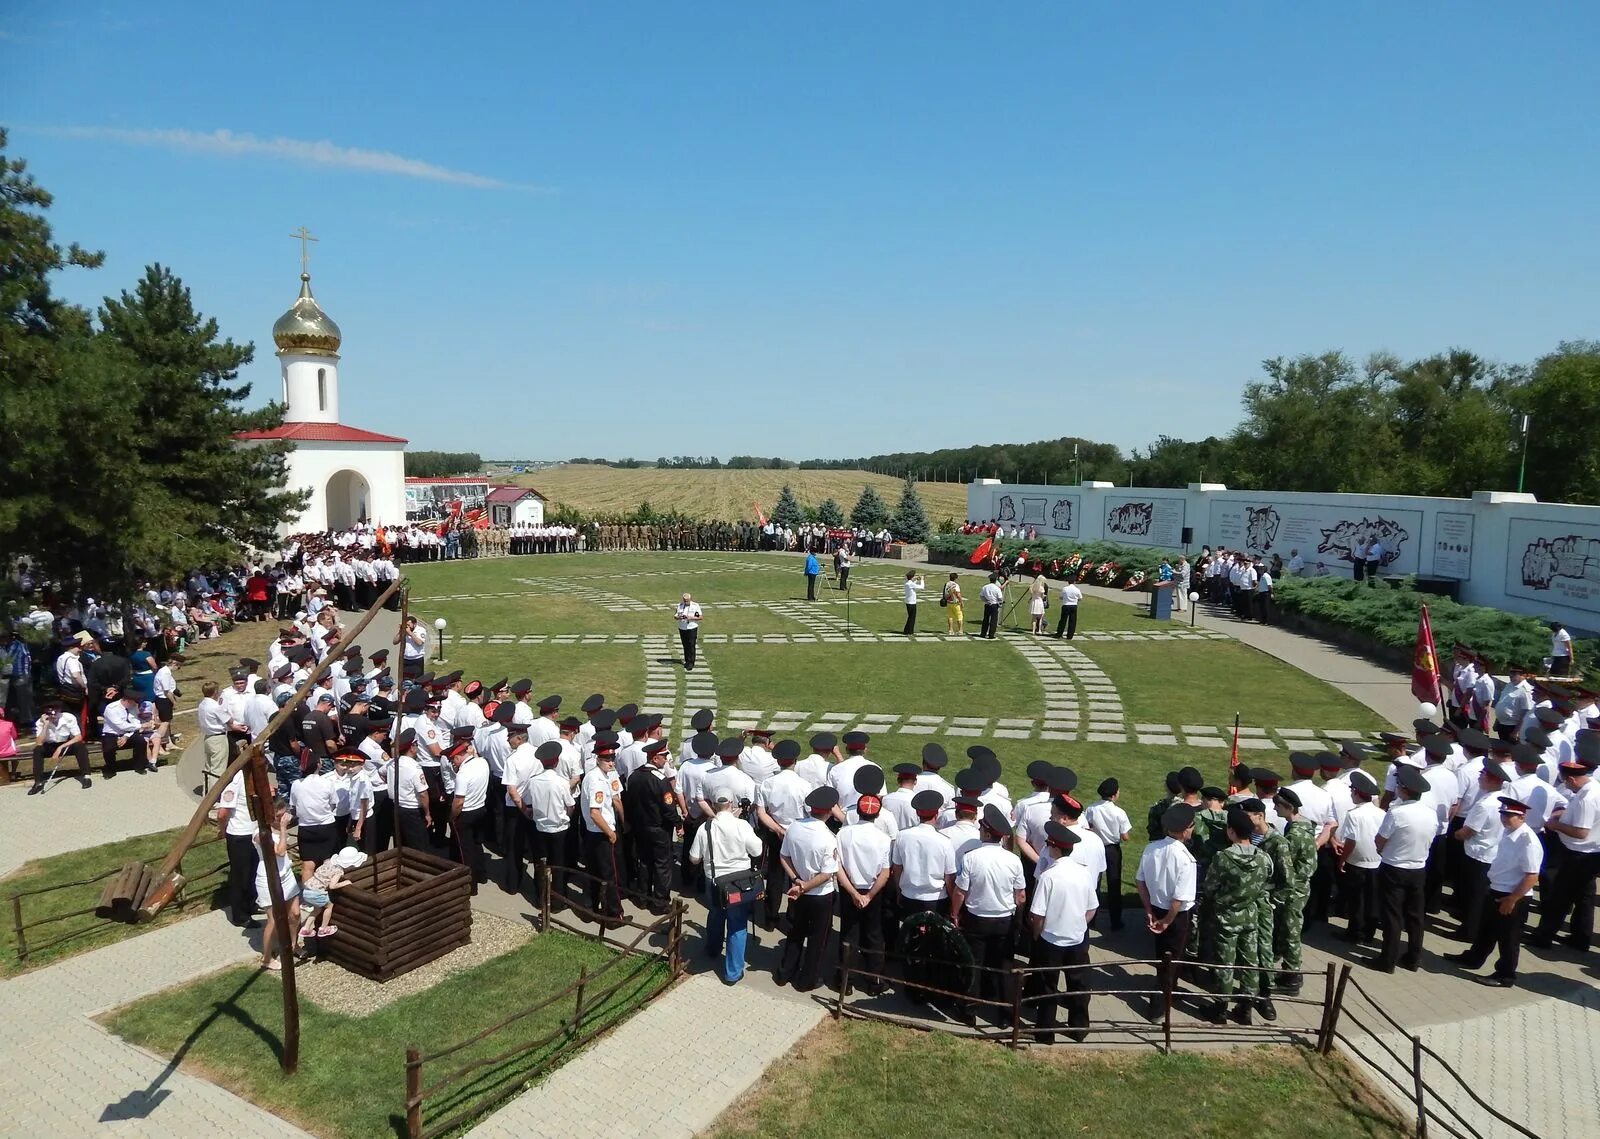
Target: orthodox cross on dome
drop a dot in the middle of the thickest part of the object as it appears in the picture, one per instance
(303, 235)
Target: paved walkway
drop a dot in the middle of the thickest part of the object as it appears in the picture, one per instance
(71, 1077)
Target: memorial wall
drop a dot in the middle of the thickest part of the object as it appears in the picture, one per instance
(1506, 550)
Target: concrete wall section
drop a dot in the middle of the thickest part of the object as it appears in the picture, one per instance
(1507, 551)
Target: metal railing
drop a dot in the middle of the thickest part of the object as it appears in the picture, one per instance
(575, 1029)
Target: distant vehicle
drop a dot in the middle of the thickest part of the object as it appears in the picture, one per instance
(518, 470)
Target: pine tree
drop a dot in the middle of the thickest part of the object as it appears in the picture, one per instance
(787, 513)
(829, 514)
(869, 512)
(909, 524)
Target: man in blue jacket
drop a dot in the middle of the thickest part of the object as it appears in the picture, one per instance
(813, 568)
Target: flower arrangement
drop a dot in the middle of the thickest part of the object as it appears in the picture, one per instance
(1135, 580)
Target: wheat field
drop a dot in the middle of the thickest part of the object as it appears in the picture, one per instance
(726, 495)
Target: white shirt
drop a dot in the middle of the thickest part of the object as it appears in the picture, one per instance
(1583, 810)
(990, 876)
(811, 849)
(117, 719)
(211, 717)
(237, 803)
(729, 780)
(784, 797)
(813, 769)
(1070, 595)
(547, 795)
(1408, 829)
(64, 729)
(1168, 872)
(963, 835)
(991, 594)
(688, 615)
(863, 854)
(1517, 855)
(925, 857)
(520, 766)
(600, 793)
(1064, 896)
(1514, 702)
(1561, 643)
(897, 804)
(757, 762)
(1108, 820)
(1358, 830)
(314, 800)
(472, 782)
(725, 845)
(910, 589)
(410, 786)
(165, 683)
(933, 781)
(691, 784)
(842, 778)
(1484, 822)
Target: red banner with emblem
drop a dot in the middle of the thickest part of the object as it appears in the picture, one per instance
(1425, 663)
(982, 551)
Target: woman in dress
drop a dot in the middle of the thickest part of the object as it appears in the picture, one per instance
(955, 620)
(1038, 591)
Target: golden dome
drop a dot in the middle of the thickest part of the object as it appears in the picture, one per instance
(305, 328)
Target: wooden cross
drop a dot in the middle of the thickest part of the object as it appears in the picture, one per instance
(304, 235)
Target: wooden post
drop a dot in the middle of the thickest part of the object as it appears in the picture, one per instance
(1016, 1007)
(1336, 1008)
(577, 1012)
(1416, 1083)
(1166, 1002)
(413, 1094)
(844, 979)
(1327, 1009)
(544, 894)
(675, 940)
(16, 920)
(260, 795)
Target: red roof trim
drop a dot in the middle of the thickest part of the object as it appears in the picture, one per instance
(319, 433)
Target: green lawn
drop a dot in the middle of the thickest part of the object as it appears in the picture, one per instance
(938, 679)
(1206, 682)
(86, 931)
(617, 671)
(857, 1078)
(351, 1080)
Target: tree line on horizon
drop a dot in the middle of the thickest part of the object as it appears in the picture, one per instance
(1444, 425)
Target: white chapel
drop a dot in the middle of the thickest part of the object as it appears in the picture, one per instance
(354, 476)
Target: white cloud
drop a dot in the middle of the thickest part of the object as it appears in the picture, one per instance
(307, 153)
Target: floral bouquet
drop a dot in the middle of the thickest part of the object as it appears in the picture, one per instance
(1135, 580)
(1106, 572)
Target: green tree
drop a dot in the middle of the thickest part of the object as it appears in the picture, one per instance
(910, 522)
(869, 512)
(1562, 399)
(787, 512)
(442, 464)
(829, 514)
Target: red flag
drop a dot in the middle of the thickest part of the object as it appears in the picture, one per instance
(982, 551)
(1425, 663)
(1233, 757)
(761, 519)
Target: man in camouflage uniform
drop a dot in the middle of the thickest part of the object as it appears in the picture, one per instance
(1236, 884)
(1209, 840)
(1271, 843)
(1299, 845)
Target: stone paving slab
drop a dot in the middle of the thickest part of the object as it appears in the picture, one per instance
(743, 1028)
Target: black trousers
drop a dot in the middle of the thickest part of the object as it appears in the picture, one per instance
(242, 859)
(413, 831)
(600, 857)
(548, 847)
(777, 880)
(494, 798)
(1474, 898)
(108, 753)
(861, 934)
(1443, 862)
(844, 577)
(1573, 892)
(810, 920)
(1066, 622)
(688, 638)
(652, 851)
(911, 620)
(1362, 908)
(319, 842)
(378, 831)
(990, 940)
(438, 807)
(1111, 892)
(811, 587)
(991, 621)
(466, 831)
(693, 876)
(1500, 930)
(1051, 959)
(1319, 904)
(1402, 895)
(515, 838)
(42, 754)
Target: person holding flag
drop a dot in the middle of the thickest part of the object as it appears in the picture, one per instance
(1425, 664)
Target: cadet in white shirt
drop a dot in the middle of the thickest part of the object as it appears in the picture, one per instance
(546, 801)
(780, 802)
(1110, 822)
(1512, 876)
(810, 856)
(864, 869)
(239, 831)
(1578, 828)
(691, 779)
(989, 888)
(924, 860)
(1403, 840)
(602, 814)
(756, 760)
(57, 735)
(1358, 856)
(315, 802)
(897, 803)
(1063, 905)
(740, 788)
(468, 816)
(1479, 836)
(1166, 879)
(688, 616)
(842, 776)
(1514, 702)
(933, 762)
(408, 789)
(814, 768)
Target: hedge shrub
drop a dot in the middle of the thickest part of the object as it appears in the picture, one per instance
(1389, 615)
(1133, 563)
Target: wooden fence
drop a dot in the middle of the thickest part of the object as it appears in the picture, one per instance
(580, 1000)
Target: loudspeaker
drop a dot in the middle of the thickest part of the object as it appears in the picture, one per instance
(1188, 535)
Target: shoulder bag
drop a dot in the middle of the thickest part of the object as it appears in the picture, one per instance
(737, 886)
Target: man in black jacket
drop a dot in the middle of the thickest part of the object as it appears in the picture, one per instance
(651, 809)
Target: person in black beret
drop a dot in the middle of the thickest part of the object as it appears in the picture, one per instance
(897, 804)
(1403, 841)
(1107, 819)
(1239, 779)
(1157, 809)
(816, 768)
(810, 855)
(1358, 859)
(1063, 905)
(933, 762)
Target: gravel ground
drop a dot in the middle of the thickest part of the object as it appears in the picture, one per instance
(343, 992)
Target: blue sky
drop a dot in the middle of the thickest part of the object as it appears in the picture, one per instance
(826, 229)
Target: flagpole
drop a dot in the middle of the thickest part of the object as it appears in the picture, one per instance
(1233, 757)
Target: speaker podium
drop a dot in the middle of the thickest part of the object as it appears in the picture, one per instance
(1161, 600)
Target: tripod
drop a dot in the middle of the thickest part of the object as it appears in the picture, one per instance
(1011, 607)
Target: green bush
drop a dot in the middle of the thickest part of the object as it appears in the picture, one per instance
(1389, 616)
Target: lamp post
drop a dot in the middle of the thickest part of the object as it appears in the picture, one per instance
(1194, 601)
(439, 627)
(1523, 469)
